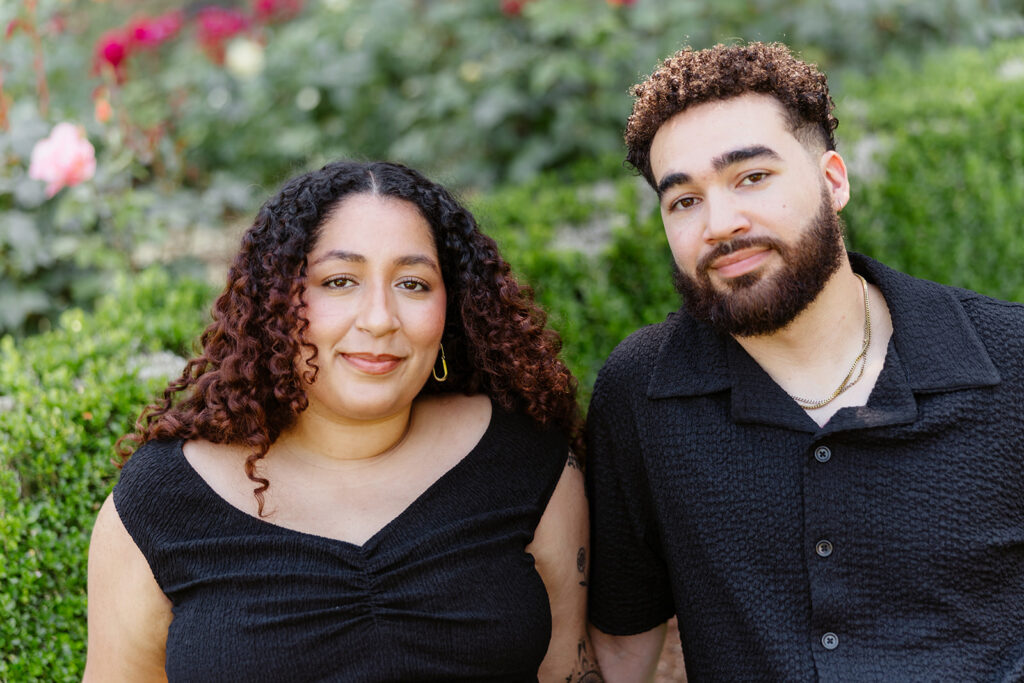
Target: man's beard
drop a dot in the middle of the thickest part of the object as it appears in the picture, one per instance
(755, 304)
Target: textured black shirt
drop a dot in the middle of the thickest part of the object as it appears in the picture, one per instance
(886, 545)
(444, 592)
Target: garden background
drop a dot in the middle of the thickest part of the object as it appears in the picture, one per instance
(114, 230)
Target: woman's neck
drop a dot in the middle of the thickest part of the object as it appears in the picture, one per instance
(329, 442)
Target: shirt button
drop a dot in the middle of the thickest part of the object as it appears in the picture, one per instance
(823, 548)
(830, 641)
(822, 453)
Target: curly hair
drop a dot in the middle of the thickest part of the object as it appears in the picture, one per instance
(244, 387)
(691, 77)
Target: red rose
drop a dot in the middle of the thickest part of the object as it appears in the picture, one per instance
(512, 8)
(150, 32)
(271, 11)
(112, 49)
(216, 26)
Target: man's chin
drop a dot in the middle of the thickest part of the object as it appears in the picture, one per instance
(740, 283)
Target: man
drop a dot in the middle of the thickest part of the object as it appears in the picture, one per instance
(816, 464)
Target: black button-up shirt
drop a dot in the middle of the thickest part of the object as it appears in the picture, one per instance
(886, 545)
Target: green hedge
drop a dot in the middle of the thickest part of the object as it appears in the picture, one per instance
(68, 395)
(942, 195)
(939, 197)
(595, 254)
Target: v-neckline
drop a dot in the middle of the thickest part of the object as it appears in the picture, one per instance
(266, 526)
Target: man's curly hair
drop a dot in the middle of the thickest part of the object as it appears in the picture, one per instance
(691, 77)
(244, 387)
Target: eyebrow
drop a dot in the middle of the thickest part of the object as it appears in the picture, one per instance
(353, 257)
(720, 163)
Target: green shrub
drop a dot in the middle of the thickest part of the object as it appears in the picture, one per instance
(67, 396)
(595, 255)
(938, 172)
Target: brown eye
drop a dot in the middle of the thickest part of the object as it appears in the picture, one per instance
(684, 203)
(414, 286)
(339, 282)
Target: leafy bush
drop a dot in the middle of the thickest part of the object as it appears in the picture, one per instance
(938, 151)
(595, 255)
(66, 397)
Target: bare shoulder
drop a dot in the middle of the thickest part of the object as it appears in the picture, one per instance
(222, 467)
(128, 613)
(201, 453)
(455, 407)
(454, 419)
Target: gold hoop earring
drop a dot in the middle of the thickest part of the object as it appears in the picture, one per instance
(444, 367)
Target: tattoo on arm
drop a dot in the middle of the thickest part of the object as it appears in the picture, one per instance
(581, 566)
(585, 670)
(573, 461)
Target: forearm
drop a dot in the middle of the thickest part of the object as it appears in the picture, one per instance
(628, 659)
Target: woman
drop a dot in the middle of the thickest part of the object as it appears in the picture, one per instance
(364, 476)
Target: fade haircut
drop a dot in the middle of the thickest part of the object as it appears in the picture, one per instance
(691, 77)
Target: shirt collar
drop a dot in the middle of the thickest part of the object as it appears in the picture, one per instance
(936, 342)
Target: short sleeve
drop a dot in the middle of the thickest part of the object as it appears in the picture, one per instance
(630, 590)
(152, 498)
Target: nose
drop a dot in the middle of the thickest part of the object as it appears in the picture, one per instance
(377, 315)
(725, 219)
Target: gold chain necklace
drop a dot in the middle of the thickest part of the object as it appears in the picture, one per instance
(861, 360)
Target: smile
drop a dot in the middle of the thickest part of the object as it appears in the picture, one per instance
(740, 262)
(372, 364)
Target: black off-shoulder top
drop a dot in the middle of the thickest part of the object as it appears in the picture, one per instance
(444, 592)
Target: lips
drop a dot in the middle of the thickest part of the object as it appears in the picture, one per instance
(740, 262)
(372, 364)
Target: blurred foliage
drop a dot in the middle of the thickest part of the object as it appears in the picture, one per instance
(595, 255)
(937, 155)
(473, 93)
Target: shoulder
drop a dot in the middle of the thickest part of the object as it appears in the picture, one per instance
(454, 410)
(1000, 327)
(451, 414)
(998, 323)
(628, 370)
(152, 454)
(992, 315)
(154, 462)
(925, 311)
(639, 351)
(159, 495)
(909, 290)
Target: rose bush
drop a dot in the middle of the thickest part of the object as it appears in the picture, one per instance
(474, 93)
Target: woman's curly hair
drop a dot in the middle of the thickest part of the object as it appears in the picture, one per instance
(244, 387)
(691, 77)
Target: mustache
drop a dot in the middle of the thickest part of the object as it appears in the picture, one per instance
(725, 248)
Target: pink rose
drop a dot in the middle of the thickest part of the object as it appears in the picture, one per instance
(64, 159)
(512, 8)
(112, 49)
(216, 26)
(149, 32)
(271, 11)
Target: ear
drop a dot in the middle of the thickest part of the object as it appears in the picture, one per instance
(833, 171)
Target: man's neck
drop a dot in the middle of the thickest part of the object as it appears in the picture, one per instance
(811, 356)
